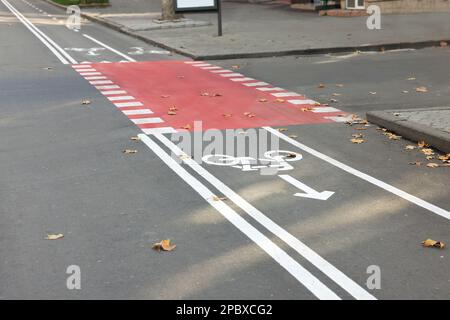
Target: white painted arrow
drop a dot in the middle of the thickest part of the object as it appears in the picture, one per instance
(309, 192)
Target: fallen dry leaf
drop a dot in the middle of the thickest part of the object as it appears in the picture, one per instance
(262, 100)
(405, 91)
(433, 243)
(165, 96)
(372, 92)
(173, 108)
(427, 152)
(306, 109)
(249, 114)
(337, 94)
(86, 102)
(164, 245)
(361, 128)
(282, 129)
(321, 85)
(129, 151)
(291, 155)
(411, 78)
(339, 85)
(187, 127)
(415, 163)
(235, 67)
(54, 236)
(204, 94)
(171, 113)
(227, 115)
(180, 77)
(357, 140)
(432, 165)
(135, 138)
(293, 136)
(391, 136)
(333, 100)
(444, 157)
(280, 100)
(410, 147)
(443, 44)
(357, 135)
(216, 198)
(429, 157)
(216, 95)
(422, 89)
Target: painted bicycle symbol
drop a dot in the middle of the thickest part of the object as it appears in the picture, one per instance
(277, 159)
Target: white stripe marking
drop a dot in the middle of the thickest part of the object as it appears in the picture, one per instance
(421, 203)
(95, 78)
(325, 109)
(302, 102)
(241, 79)
(139, 111)
(293, 267)
(285, 94)
(107, 87)
(227, 75)
(211, 68)
(91, 73)
(101, 82)
(221, 71)
(201, 65)
(161, 130)
(255, 84)
(147, 120)
(128, 104)
(119, 98)
(270, 89)
(111, 92)
(85, 70)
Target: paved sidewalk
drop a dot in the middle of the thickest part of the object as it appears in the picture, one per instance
(425, 124)
(273, 28)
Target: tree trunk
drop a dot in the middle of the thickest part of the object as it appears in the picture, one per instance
(168, 10)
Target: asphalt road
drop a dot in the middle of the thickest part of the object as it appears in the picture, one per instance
(63, 171)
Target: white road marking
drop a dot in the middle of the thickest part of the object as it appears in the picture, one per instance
(101, 82)
(139, 111)
(285, 94)
(107, 87)
(95, 78)
(111, 92)
(325, 109)
(119, 98)
(308, 191)
(221, 71)
(109, 48)
(54, 48)
(241, 79)
(413, 199)
(201, 65)
(227, 75)
(255, 84)
(328, 269)
(293, 267)
(90, 69)
(128, 104)
(81, 66)
(270, 89)
(161, 130)
(211, 68)
(147, 120)
(302, 101)
(90, 73)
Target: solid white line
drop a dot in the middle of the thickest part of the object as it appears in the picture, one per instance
(85, 69)
(192, 62)
(81, 66)
(50, 41)
(221, 71)
(90, 73)
(201, 65)
(101, 82)
(287, 262)
(47, 44)
(285, 94)
(332, 272)
(421, 203)
(108, 93)
(107, 87)
(109, 48)
(160, 130)
(128, 104)
(139, 111)
(211, 68)
(147, 120)
(95, 78)
(255, 84)
(325, 109)
(302, 101)
(120, 98)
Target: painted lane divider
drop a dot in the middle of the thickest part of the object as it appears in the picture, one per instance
(308, 192)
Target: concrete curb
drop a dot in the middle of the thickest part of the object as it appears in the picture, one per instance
(281, 53)
(411, 130)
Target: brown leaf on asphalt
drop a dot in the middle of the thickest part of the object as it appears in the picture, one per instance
(372, 92)
(235, 67)
(411, 78)
(291, 155)
(443, 44)
(427, 152)
(216, 198)
(337, 94)
(415, 163)
(392, 136)
(432, 165)
(129, 151)
(48, 68)
(54, 236)
(444, 157)
(249, 114)
(405, 91)
(280, 100)
(361, 128)
(187, 127)
(180, 77)
(422, 89)
(422, 144)
(165, 96)
(306, 109)
(204, 94)
(293, 136)
(227, 115)
(164, 245)
(262, 100)
(357, 140)
(410, 147)
(433, 243)
(429, 157)
(86, 102)
(171, 113)
(357, 135)
(333, 100)
(339, 85)
(135, 138)
(282, 129)
(216, 95)
(321, 85)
